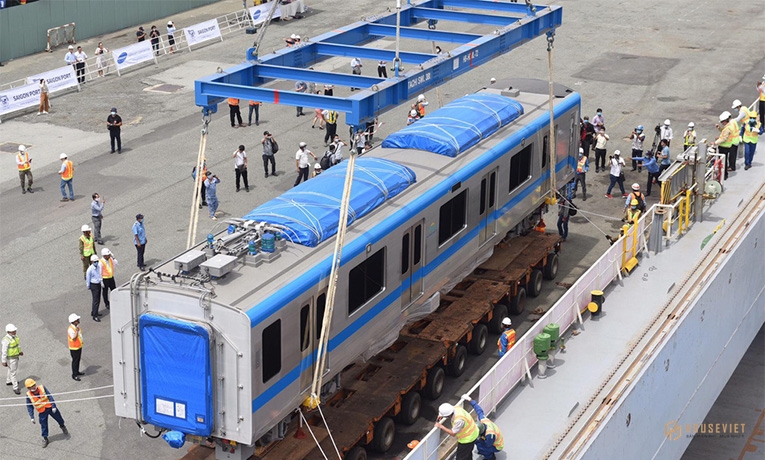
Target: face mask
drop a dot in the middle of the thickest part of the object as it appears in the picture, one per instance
(587, 122)
(114, 113)
(600, 114)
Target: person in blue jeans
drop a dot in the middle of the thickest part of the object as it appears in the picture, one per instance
(616, 173)
(490, 439)
(650, 164)
(211, 186)
(39, 399)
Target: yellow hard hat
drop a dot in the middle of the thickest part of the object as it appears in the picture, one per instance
(29, 383)
(634, 202)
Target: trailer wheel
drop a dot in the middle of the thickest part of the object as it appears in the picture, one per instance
(356, 453)
(385, 432)
(477, 344)
(519, 302)
(410, 408)
(434, 384)
(500, 312)
(534, 288)
(457, 364)
(551, 268)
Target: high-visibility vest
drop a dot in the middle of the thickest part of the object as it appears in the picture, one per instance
(420, 109)
(107, 268)
(13, 346)
(510, 334)
(470, 432)
(492, 429)
(233, 101)
(726, 135)
(254, 103)
(87, 246)
(40, 399)
(762, 91)
(580, 165)
(749, 114)
(736, 130)
(690, 137)
(332, 116)
(633, 216)
(76, 343)
(25, 163)
(751, 134)
(68, 170)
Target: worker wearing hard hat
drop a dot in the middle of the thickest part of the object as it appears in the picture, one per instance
(87, 247)
(490, 439)
(724, 142)
(39, 399)
(67, 175)
(507, 338)
(24, 165)
(93, 281)
(665, 132)
(636, 194)
(412, 117)
(752, 130)
(74, 340)
(11, 353)
(744, 114)
(464, 428)
(633, 212)
(420, 105)
(689, 137)
(107, 262)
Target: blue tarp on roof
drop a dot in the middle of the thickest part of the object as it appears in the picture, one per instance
(310, 212)
(458, 125)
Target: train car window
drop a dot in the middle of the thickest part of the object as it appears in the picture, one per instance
(321, 304)
(405, 253)
(545, 151)
(520, 167)
(366, 280)
(482, 205)
(492, 188)
(305, 333)
(417, 245)
(451, 217)
(272, 350)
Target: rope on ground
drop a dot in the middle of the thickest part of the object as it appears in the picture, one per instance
(305, 422)
(582, 213)
(61, 401)
(331, 438)
(63, 392)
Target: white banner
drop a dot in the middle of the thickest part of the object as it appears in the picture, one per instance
(18, 98)
(201, 32)
(260, 13)
(61, 78)
(132, 54)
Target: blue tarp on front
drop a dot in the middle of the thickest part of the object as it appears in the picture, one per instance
(310, 212)
(458, 125)
(176, 375)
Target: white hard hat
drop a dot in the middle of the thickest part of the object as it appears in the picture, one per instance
(617, 152)
(691, 125)
(293, 36)
(317, 166)
(169, 23)
(736, 103)
(635, 186)
(10, 327)
(71, 47)
(493, 80)
(302, 144)
(724, 116)
(106, 252)
(73, 317)
(85, 228)
(507, 322)
(581, 150)
(413, 113)
(445, 410)
(94, 258)
(666, 122)
(22, 148)
(62, 156)
(421, 97)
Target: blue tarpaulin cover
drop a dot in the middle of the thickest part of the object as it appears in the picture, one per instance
(458, 125)
(310, 212)
(174, 439)
(176, 374)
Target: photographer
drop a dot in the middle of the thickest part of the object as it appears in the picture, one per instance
(617, 176)
(240, 167)
(601, 140)
(637, 137)
(270, 147)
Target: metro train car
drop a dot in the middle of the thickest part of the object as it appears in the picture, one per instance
(221, 341)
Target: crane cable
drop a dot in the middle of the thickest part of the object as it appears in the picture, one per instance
(262, 34)
(551, 148)
(194, 214)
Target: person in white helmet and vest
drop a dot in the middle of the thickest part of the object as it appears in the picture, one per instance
(463, 427)
(507, 338)
(86, 247)
(689, 137)
(11, 353)
(490, 439)
(39, 399)
(74, 340)
(107, 262)
(24, 165)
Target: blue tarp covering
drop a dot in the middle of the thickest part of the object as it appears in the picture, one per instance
(310, 212)
(176, 375)
(458, 125)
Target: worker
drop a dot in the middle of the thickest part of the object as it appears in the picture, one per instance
(665, 132)
(507, 338)
(413, 116)
(490, 440)
(234, 113)
(751, 135)
(761, 91)
(419, 106)
(464, 428)
(637, 137)
(87, 247)
(40, 399)
(725, 141)
(67, 176)
(93, 282)
(689, 137)
(107, 263)
(582, 166)
(633, 212)
(74, 339)
(744, 114)
(24, 165)
(330, 117)
(635, 195)
(11, 353)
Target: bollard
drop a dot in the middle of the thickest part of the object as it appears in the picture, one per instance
(553, 330)
(596, 303)
(541, 349)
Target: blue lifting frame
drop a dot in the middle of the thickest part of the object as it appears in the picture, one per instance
(516, 23)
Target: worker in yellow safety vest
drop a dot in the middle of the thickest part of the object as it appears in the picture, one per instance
(744, 114)
(74, 339)
(24, 165)
(464, 428)
(724, 142)
(689, 138)
(490, 440)
(87, 247)
(11, 353)
(39, 399)
(507, 338)
(633, 212)
(751, 135)
(107, 274)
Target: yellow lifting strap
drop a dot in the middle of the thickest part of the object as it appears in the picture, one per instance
(194, 214)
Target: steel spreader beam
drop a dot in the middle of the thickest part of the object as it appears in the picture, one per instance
(515, 24)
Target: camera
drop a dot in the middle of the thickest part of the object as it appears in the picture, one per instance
(657, 129)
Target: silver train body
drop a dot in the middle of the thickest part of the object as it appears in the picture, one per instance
(233, 357)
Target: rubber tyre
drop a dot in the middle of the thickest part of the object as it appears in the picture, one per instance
(500, 313)
(411, 404)
(534, 288)
(518, 303)
(457, 364)
(480, 338)
(384, 435)
(434, 385)
(356, 453)
(551, 268)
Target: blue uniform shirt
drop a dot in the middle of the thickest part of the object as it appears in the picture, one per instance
(93, 275)
(140, 232)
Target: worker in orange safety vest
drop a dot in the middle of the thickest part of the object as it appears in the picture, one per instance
(74, 339)
(507, 338)
(24, 165)
(40, 399)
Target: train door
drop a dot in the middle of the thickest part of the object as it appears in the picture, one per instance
(486, 206)
(311, 320)
(411, 263)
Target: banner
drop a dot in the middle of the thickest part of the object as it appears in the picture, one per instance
(132, 54)
(20, 97)
(58, 79)
(260, 13)
(201, 32)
